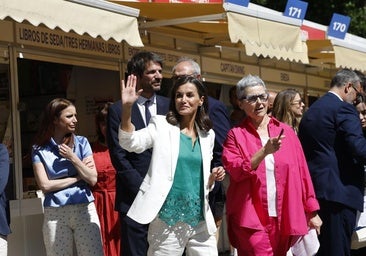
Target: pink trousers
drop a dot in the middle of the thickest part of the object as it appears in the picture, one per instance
(267, 242)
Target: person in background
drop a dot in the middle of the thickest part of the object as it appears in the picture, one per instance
(360, 104)
(271, 97)
(173, 197)
(221, 124)
(362, 77)
(4, 203)
(288, 108)
(270, 199)
(131, 168)
(335, 149)
(64, 170)
(104, 190)
(237, 115)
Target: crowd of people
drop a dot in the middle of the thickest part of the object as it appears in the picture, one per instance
(152, 182)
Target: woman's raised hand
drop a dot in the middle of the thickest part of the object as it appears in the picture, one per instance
(128, 91)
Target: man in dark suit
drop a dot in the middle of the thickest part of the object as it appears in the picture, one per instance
(335, 149)
(221, 124)
(4, 203)
(131, 167)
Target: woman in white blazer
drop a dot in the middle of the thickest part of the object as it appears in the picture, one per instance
(173, 197)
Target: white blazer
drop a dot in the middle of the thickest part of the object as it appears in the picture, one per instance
(164, 138)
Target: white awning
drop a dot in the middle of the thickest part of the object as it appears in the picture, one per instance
(349, 56)
(337, 53)
(70, 16)
(267, 37)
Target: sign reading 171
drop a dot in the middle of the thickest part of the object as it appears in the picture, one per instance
(338, 26)
(296, 9)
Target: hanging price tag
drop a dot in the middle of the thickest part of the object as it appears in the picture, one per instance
(296, 9)
(338, 26)
(244, 3)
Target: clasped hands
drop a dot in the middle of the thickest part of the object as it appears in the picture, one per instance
(217, 174)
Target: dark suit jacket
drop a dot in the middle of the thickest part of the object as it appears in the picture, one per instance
(4, 203)
(335, 148)
(131, 167)
(221, 125)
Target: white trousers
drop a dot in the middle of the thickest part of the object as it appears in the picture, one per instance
(66, 225)
(3, 245)
(171, 241)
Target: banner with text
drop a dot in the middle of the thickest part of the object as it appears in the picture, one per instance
(59, 40)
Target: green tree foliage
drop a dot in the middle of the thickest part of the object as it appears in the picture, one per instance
(322, 11)
(358, 19)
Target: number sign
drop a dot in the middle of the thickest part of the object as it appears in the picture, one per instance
(244, 3)
(296, 9)
(338, 26)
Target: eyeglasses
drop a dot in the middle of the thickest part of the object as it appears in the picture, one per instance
(297, 102)
(359, 96)
(354, 87)
(253, 98)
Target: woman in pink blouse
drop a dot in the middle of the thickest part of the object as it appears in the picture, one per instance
(270, 199)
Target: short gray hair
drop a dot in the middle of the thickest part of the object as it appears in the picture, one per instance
(344, 76)
(196, 69)
(248, 81)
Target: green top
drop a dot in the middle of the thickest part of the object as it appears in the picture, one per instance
(184, 202)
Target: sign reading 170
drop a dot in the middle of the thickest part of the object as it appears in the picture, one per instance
(296, 9)
(338, 26)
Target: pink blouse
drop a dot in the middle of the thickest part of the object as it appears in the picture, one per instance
(247, 203)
